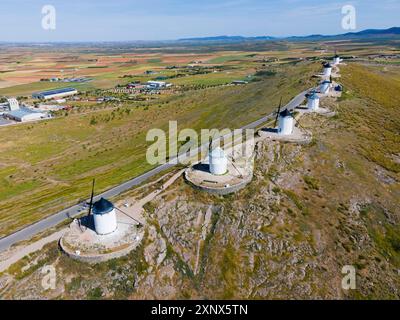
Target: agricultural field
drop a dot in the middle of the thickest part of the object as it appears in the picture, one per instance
(48, 165)
(308, 211)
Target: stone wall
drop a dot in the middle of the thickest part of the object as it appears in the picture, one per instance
(96, 258)
(225, 190)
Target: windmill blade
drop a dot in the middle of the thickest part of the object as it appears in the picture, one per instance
(298, 123)
(277, 114)
(129, 216)
(210, 145)
(91, 199)
(231, 160)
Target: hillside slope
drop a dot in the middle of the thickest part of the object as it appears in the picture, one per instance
(309, 211)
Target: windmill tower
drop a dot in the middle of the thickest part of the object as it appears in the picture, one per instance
(327, 70)
(286, 123)
(104, 215)
(336, 59)
(313, 102)
(217, 160)
(325, 85)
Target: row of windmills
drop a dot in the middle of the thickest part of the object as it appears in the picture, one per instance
(217, 173)
(104, 231)
(285, 122)
(329, 66)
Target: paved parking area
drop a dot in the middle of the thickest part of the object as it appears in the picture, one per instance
(4, 121)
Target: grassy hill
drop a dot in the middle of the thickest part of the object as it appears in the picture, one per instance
(47, 166)
(309, 211)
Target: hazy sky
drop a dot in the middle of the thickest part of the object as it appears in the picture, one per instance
(119, 20)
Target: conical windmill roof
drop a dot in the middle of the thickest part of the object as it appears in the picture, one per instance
(217, 153)
(285, 113)
(314, 96)
(102, 206)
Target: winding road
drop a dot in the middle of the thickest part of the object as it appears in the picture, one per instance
(71, 212)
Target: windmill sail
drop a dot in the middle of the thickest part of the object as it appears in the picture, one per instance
(91, 199)
(210, 144)
(277, 114)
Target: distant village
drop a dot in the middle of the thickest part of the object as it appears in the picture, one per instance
(47, 102)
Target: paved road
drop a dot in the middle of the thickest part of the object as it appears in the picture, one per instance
(53, 220)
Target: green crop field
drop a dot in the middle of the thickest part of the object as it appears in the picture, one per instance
(48, 166)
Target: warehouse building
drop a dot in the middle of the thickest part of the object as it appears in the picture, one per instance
(25, 115)
(55, 94)
(157, 84)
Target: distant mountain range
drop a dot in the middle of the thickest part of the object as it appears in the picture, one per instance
(369, 33)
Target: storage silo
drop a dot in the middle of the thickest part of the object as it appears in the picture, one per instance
(286, 122)
(313, 102)
(13, 104)
(218, 161)
(104, 217)
(327, 70)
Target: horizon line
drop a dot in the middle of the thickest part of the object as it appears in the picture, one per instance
(194, 38)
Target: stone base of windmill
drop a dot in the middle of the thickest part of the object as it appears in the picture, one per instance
(82, 243)
(331, 93)
(238, 175)
(298, 135)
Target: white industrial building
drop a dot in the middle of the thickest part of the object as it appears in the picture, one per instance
(286, 123)
(218, 161)
(104, 217)
(13, 104)
(25, 115)
(157, 84)
(313, 102)
(55, 94)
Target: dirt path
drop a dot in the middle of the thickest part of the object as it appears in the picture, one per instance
(136, 209)
(24, 251)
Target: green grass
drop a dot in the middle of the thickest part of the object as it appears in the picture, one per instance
(311, 182)
(155, 60)
(228, 271)
(212, 79)
(56, 160)
(228, 58)
(385, 235)
(28, 89)
(372, 112)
